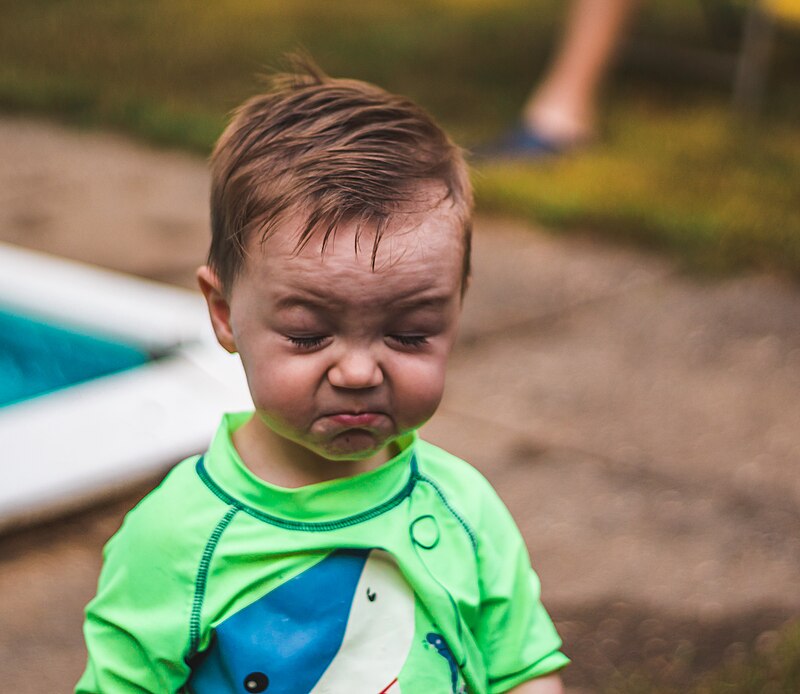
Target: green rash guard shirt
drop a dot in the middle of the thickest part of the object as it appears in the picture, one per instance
(411, 577)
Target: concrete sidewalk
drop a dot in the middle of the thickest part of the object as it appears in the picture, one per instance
(643, 427)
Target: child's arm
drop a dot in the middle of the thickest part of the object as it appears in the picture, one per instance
(549, 684)
(516, 636)
(138, 626)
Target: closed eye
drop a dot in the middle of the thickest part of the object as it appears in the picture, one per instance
(409, 340)
(306, 342)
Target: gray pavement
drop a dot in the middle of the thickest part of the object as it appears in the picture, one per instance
(643, 426)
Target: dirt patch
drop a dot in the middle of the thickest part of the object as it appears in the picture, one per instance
(617, 637)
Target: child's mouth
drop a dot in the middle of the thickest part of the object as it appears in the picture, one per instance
(360, 420)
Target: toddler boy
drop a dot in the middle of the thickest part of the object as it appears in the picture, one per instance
(319, 545)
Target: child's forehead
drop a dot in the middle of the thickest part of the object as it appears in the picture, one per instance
(414, 257)
(425, 232)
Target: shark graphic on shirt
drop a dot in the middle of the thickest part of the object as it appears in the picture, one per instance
(348, 619)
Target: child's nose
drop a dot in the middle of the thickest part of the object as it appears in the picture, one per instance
(356, 369)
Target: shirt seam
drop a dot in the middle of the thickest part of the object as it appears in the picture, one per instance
(310, 526)
(443, 498)
(201, 579)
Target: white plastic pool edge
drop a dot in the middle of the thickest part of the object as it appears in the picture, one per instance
(69, 448)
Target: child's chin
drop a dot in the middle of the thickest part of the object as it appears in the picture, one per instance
(355, 445)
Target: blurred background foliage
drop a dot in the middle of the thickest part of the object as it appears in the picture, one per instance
(674, 169)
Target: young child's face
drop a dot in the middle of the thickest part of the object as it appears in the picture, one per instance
(341, 359)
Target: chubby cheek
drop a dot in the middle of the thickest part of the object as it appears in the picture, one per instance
(284, 392)
(418, 392)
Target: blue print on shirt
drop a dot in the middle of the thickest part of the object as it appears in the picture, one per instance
(437, 641)
(284, 642)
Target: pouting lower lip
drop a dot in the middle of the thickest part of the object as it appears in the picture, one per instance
(355, 419)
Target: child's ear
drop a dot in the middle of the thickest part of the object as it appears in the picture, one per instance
(218, 307)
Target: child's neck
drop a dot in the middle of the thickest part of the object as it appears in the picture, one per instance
(286, 464)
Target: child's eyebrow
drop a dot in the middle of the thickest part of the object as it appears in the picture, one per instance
(410, 302)
(430, 301)
(300, 301)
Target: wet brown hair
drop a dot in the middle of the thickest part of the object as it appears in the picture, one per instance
(336, 150)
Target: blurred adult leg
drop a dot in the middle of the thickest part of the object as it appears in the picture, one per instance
(563, 108)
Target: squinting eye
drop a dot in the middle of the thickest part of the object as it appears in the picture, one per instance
(306, 342)
(410, 340)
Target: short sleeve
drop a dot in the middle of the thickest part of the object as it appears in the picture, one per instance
(515, 634)
(136, 626)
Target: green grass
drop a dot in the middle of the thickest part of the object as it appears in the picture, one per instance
(191, 57)
(689, 181)
(673, 171)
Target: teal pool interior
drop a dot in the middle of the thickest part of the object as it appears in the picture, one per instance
(37, 357)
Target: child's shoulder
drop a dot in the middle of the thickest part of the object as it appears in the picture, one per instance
(180, 511)
(457, 479)
(433, 459)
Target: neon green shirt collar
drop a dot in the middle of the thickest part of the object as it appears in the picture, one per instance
(324, 501)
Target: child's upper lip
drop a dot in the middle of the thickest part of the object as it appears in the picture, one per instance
(353, 411)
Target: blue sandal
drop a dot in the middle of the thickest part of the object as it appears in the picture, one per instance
(520, 143)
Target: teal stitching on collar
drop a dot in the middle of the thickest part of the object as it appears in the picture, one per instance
(440, 493)
(322, 526)
(202, 578)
